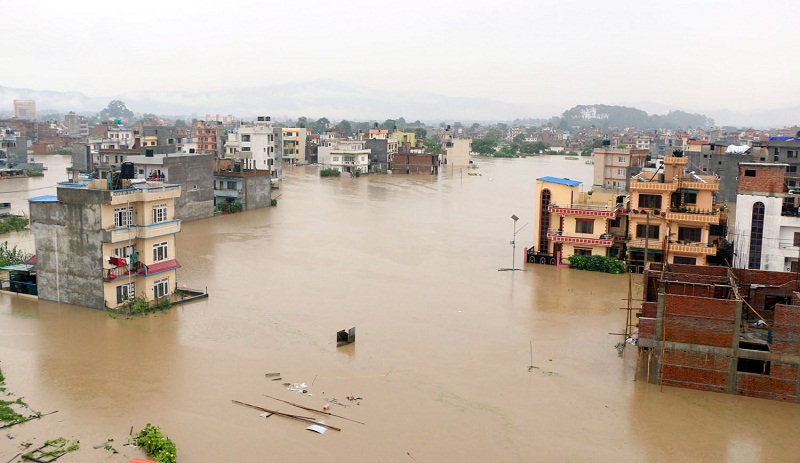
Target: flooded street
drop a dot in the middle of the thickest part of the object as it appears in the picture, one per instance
(442, 351)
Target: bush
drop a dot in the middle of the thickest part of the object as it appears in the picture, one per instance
(330, 173)
(230, 207)
(597, 264)
(159, 447)
(11, 256)
(13, 223)
(273, 202)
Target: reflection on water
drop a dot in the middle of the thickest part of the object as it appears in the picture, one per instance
(444, 339)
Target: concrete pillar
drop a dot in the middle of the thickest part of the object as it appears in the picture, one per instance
(733, 374)
(655, 366)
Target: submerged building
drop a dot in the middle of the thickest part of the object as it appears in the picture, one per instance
(721, 329)
(103, 243)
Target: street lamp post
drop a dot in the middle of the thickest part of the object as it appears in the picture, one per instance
(514, 241)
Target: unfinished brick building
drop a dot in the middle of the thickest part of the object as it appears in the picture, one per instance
(720, 329)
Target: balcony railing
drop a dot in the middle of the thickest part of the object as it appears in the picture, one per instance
(560, 236)
(596, 210)
(712, 217)
(674, 246)
(154, 193)
(116, 235)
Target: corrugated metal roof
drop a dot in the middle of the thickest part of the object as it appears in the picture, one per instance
(560, 181)
(44, 199)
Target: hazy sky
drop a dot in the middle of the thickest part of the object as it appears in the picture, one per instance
(740, 55)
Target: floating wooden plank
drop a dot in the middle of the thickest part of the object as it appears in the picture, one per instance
(305, 419)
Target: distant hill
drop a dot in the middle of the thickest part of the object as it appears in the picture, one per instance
(623, 116)
(329, 98)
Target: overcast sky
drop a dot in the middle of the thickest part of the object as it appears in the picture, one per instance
(740, 55)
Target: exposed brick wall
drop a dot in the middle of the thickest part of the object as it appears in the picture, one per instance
(768, 178)
(647, 328)
(699, 320)
(786, 330)
(765, 387)
(695, 371)
(649, 309)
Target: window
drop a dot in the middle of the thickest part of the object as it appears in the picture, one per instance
(583, 252)
(159, 213)
(125, 292)
(650, 201)
(791, 154)
(125, 251)
(123, 216)
(756, 236)
(336, 159)
(620, 171)
(544, 220)
(684, 260)
(689, 198)
(791, 169)
(245, 148)
(231, 185)
(160, 251)
(749, 173)
(796, 239)
(621, 159)
(584, 226)
(641, 231)
(689, 234)
(161, 288)
(245, 137)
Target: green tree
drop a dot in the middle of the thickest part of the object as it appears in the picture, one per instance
(420, 133)
(303, 122)
(116, 109)
(322, 124)
(494, 134)
(388, 124)
(346, 127)
(401, 123)
(484, 146)
(433, 145)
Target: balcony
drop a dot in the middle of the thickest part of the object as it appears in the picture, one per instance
(117, 235)
(710, 217)
(153, 193)
(228, 193)
(587, 210)
(560, 236)
(704, 249)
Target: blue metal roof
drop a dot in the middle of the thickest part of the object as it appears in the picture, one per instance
(560, 181)
(44, 199)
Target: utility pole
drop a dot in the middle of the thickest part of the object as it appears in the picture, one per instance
(514, 241)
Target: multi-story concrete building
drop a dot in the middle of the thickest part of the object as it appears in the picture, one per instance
(673, 213)
(257, 145)
(77, 126)
(25, 109)
(208, 136)
(455, 151)
(613, 168)
(234, 183)
(193, 172)
(294, 145)
(382, 153)
(568, 221)
(350, 156)
(99, 247)
(767, 231)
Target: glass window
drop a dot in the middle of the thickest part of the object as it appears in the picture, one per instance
(161, 288)
(126, 292)
(650, 201)
(583, 252)
(584, 226)
(160, 251)
(123, 216)
(689, 234)
(756, 236)
(684, 260)
(641, 231)
(160, 213)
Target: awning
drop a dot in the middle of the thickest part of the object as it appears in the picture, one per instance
(18, 268)
(686, 190)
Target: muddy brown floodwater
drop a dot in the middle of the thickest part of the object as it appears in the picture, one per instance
(442, 351)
